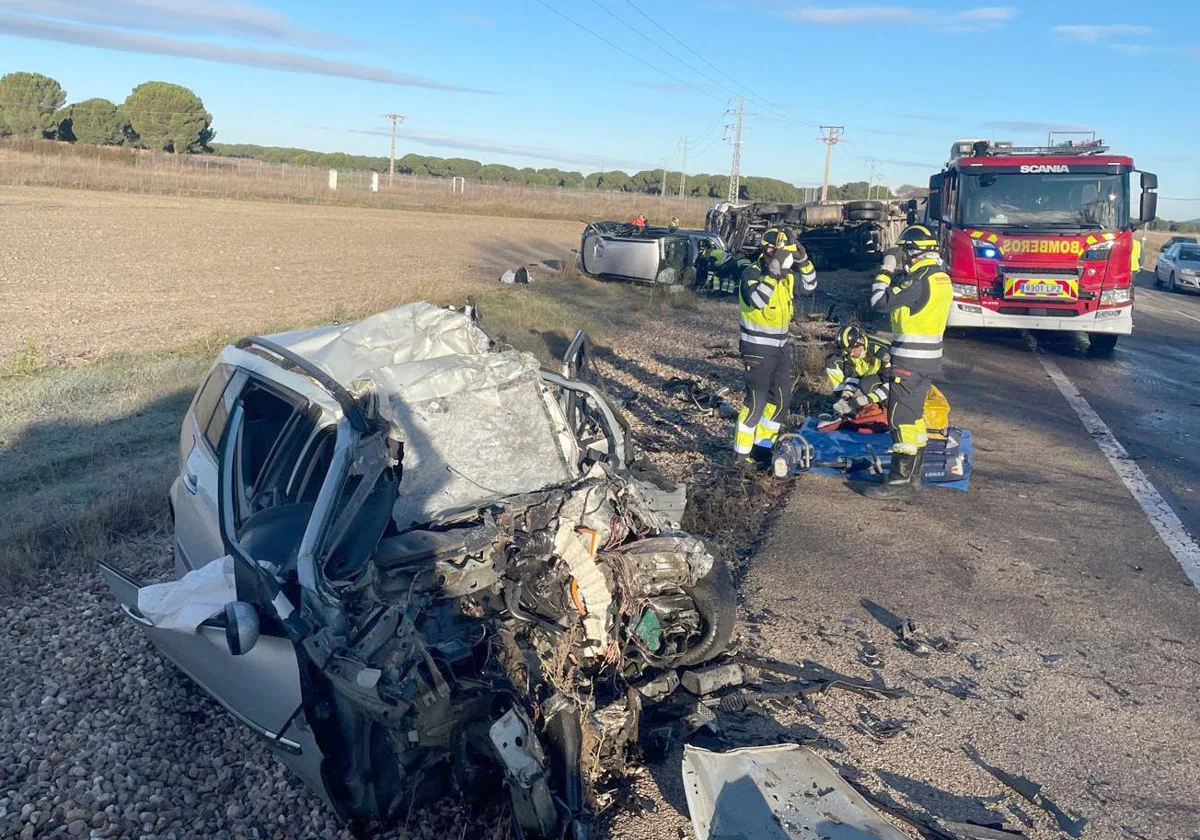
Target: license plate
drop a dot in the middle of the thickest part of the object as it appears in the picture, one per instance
(1040, 287)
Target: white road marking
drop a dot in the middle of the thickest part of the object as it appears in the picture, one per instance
(1170, 529)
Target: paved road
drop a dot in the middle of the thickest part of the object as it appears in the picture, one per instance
(1077, 632)
(1149, 394)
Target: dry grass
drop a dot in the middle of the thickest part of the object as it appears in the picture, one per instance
(85, 459)
(51, 164)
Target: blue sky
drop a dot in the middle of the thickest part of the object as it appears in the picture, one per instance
(521, 81)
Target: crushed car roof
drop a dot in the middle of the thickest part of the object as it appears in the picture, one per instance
(479, 424)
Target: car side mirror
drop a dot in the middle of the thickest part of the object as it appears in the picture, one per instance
(241, 627)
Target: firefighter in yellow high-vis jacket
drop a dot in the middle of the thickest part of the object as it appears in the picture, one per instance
(914, 289)
(765, 306)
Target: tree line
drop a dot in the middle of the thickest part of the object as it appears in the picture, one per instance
(647, 181)
(1176, 227)
(155, 115)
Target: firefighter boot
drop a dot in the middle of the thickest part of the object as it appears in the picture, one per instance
(903, 478)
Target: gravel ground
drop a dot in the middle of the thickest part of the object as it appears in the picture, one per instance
(86, 273)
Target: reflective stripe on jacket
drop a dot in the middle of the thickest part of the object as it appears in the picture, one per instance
(765, 306)
(918, 303)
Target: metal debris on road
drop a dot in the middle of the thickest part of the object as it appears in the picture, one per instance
(1030, 791)
(818, 679)
(783, 792)
(878, 727)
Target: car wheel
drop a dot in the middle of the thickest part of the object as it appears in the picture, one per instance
(1172, 286)
(716, 601)
(1157, 279)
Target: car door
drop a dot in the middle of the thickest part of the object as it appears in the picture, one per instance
(1166, 263)
(261, 687)
(194, 490)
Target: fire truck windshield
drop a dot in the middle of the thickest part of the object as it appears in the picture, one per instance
(1043, 200)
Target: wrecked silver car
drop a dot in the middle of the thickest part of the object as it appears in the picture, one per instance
(413, 561)
(622, 251)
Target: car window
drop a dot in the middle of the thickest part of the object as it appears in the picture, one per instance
(207, 400)
(281, 456)
(1189, 252)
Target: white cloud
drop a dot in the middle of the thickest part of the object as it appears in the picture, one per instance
(21, 26)
(855, 14)
(988, 14)
(974, 18)
(182, 17)
(1101, 32)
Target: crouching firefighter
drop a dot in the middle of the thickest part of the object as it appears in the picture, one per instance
(914, 289)
(765, 305)
(860, 371)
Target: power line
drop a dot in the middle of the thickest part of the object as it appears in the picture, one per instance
(626, 52)
(661, 48)
(687, 47)
(395, 118)
(830, 140)
(683, 150)
(735, 172)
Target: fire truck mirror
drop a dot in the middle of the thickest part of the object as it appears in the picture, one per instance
(1149, 205)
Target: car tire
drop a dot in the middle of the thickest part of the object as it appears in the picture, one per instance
(1102, 344)
(1157, 279)
(864, 215)
(1172, 286)
(852, 206)
(716, 601)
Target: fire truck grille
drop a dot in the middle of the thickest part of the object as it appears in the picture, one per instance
(1040, 271)
(1037, 311)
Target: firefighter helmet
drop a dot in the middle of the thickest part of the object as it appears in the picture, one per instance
(917, 238)
(849, 336)
(777, 240)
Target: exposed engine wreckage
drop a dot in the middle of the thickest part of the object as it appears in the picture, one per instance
(492, 583)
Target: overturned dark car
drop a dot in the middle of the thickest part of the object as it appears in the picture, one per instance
(837, 234)
(413, 561)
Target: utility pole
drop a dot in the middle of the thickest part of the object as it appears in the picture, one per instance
(662, 189)
(683, 150)
(396, 119)
(830, 140)
(735, 172)
(871, 179)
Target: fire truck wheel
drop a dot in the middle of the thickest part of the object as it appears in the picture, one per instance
(1102, 344)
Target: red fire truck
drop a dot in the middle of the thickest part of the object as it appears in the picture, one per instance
(1040, 238)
